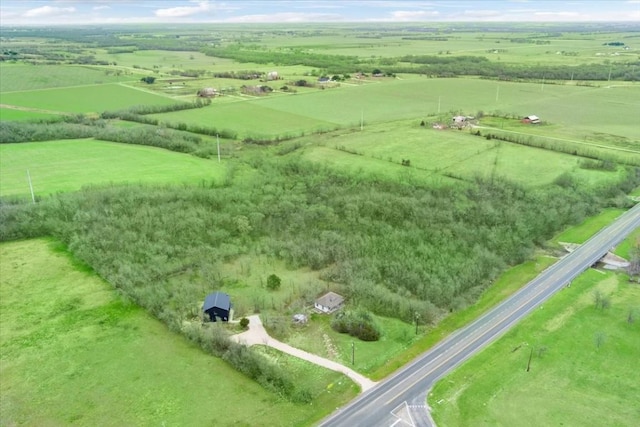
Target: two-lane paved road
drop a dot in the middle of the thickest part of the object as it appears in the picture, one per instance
(400, 400)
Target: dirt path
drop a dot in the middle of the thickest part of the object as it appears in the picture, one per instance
(257, 335)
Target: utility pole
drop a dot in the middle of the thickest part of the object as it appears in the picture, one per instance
(33, 197)
(353, 353)
(529, 363)
(417, 317)
(218, 141)
(439, 104)
(361, 120)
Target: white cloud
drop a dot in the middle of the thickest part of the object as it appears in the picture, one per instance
(287, 17)
(43, 11)
(104, 7)
(413, 15)
(182, 11)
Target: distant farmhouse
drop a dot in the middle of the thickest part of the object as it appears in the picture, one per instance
(272, 75)
(217, 305)
(534, 120)
(208, 92)
(329, 302)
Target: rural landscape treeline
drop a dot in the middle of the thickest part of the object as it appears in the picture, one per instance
(397, 249)
(407, 238)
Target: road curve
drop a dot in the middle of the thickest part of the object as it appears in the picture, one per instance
(400, 400)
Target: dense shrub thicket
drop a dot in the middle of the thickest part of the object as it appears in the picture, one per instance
(12, 132)
(396, 249)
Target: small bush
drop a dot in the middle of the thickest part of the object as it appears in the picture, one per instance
(359, 324)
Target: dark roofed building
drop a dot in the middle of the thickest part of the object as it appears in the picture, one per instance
(217, 304)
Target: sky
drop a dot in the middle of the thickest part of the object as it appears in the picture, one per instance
(88, 12)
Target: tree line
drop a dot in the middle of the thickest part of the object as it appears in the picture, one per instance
(396, 249)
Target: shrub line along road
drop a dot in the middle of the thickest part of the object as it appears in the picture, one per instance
(400, 400)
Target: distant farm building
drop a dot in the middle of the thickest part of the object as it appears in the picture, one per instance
(272, 75)
(323, 80)
(217, 305)
(329, 302)
(534, 120)
(208, 92)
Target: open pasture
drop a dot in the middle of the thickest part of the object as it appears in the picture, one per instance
(248, 118)
(573, 107)
(583, 364)
(69, 165)
(167, 61)
(85, 99)
(508, 46)
(11, 114)
(85, 355)
(364, 167)
(21, 77)
(436, 153)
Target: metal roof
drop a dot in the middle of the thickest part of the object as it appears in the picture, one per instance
(217, 299)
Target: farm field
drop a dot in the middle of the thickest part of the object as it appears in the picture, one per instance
(86, 355)
(574, 109)
(51, 76)
(22, 115)
(248, 118)
(85, 99)
(445, 153)
(583, 366)
(69, 165)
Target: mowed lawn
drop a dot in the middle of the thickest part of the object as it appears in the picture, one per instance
(69, 165)
(85, 99)
(74, 352)
(584, 365)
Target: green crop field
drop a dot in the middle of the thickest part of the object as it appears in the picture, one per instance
(85, 99)
(69, 165)
(583, 369)
(17, 78)
(84, 355)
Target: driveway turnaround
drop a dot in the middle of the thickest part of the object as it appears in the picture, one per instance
(257, 335)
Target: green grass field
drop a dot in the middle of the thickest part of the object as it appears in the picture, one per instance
(575, 110)
(582, 232)
(10, 114)
(583, 369)
(248, 118)
(380, 149)
(85, 99)
(69, 165)
(18, 77)
(74, 352)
